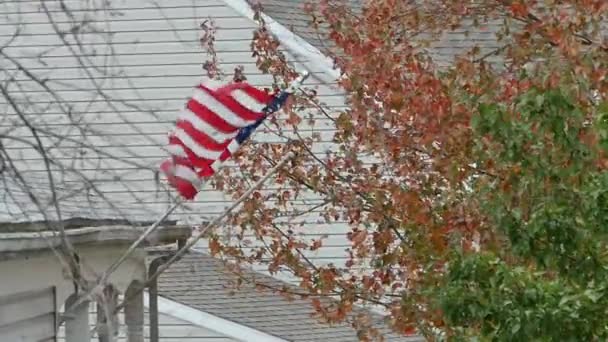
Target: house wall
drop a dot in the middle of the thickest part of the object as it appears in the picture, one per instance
(40, 270)
(28, 316)
(143, 57)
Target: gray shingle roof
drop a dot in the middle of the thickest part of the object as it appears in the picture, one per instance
(291, 14)
(171, 329)
(203, 282)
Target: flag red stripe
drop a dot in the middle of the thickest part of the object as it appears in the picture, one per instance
(259, 95)
(229, 108)
(210, 117)
(177, 160)
(204, 169)
(225, 155)
(192, 157)
(184, 187)
(201, 138)
(234, 106)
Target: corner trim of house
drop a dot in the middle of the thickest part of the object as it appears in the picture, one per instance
(211, 322)
(293, 43)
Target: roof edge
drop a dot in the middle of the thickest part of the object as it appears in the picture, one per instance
(42, 240)
(294, 43)
(211, 322)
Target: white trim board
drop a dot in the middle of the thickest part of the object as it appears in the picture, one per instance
(211, 322)
(296, 45)
(42, 240)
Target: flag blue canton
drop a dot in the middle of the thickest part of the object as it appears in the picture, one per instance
(275, 104)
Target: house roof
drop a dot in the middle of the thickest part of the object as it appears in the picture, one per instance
(171, 327)
(289, 23)
(291, 14)
(203, 282)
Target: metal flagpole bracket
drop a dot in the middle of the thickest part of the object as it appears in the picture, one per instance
(211, 225)
(297, 83)
(280, 98)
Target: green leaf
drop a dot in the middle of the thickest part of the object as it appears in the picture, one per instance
(515, 328)
(593, 295)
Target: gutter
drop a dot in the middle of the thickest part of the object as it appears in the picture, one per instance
(12, 243)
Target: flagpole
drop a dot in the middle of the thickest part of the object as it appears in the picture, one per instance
(196, 237)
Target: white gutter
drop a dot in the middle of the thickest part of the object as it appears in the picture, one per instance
(296, 45)
(211, 322)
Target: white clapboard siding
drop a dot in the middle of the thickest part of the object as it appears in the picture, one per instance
(28, 316)
(144, 57)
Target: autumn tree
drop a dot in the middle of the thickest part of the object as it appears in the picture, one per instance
(475, 186)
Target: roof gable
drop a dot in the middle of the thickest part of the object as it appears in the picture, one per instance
(229, 329)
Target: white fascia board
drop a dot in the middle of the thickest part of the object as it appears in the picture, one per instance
(296, 45)
(211, 322)
(42, 240)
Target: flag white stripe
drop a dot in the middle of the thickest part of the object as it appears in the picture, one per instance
(199, 150)
(202, 126)
(216, 165)
(247, 101)
(176, 150)
(233, 146)
(186, 173)
(218, 108)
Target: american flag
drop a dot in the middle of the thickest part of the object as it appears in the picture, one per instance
(215, 122)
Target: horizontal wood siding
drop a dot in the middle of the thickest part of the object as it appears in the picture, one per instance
(144, 57)
(28, 316)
